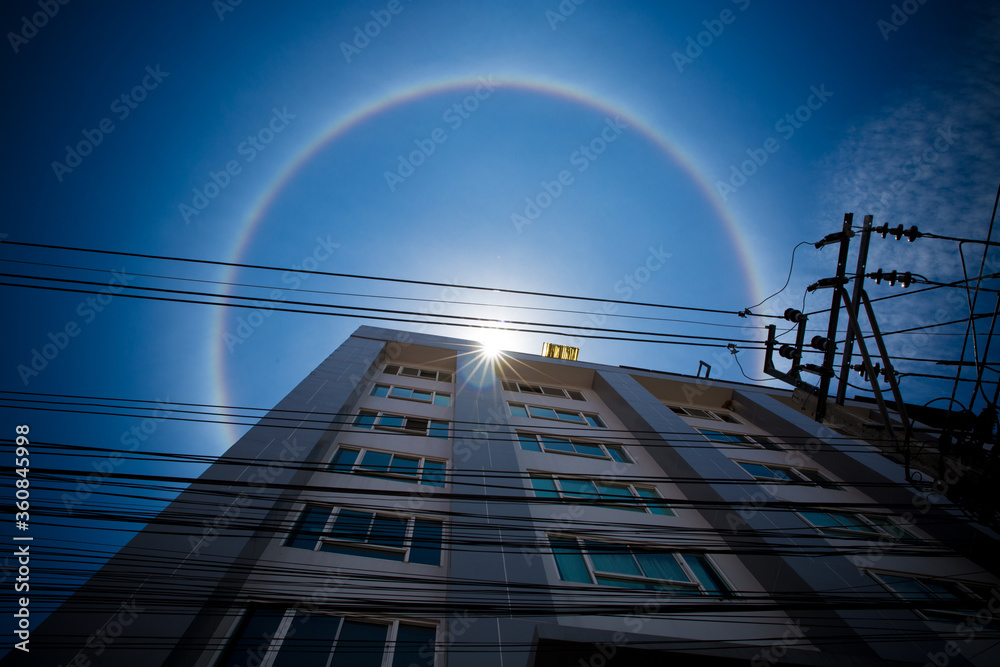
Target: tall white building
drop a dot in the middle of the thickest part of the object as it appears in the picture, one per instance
(412, 502)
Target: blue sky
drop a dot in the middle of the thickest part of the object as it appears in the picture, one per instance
(896, 117)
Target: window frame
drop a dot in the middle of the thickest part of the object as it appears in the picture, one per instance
(587, 419)
(605, 447)
(542, 390)
(694, 583)
(637, 503)
(742, 439)
(434, 394)
(355, 467)
(967, 590)
(333, 512)
(874, 529)
(798, 476)
(276, 640)
(439, 376)
(378, 415)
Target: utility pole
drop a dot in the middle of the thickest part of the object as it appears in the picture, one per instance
(859, 280)
(844, 237)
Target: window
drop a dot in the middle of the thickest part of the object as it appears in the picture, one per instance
(426, 374)
(699, 413)
(958, 600)
(739, 439)
(845, 524)
(541, 412)
(537, 442)
(416, 425)
(404, 467)
(623, 566)
(526, 388)
(422, 395)
(370, 534)
(277, 637)
(775, 473)
(597, 492)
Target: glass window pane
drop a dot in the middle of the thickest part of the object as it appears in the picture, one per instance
(618, 453)
(417, 424)
(729, 418)
(622, 583)
(569, 562)
(552, 391)
(252, 638)
(380, 390)
(360, 645)
(612, 558)
(615, 493)
(820, 519)
(529, 388)
(308, 642)
(569, 416)
(365, 419)
(590, 450)
(852, 522)
(400, 392)
(767, 443)
(309, 528)
(714, 436)
(517, 410)
(442, 399)
(528, 442)
(656, 506)
(706, 575)
(410, 372)
(594, 420)
(894, 530)
(351, 525)
(578, 488)
(388, 531)
(544, 486)
(433, 473)
(404, 465)
(660, 566)
(576, 396)
(438, 429)
(420, 395)
(344, 460)
(425, 547)
(391, 421)
(906, 587)
(391, 370)
(508, 385)
(375, 461)
(444, 377)
(757, 470)
(700, 414)
(546, 413)
(557, 444)
(414, 646)
(429, 375)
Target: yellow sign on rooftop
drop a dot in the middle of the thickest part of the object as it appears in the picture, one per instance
(560, 351)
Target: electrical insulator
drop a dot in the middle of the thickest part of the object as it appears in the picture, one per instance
(897, 232)
(820, 343)
(793, 315)
(912, 234)
(877, 369)
(892, 277)
(787, 351)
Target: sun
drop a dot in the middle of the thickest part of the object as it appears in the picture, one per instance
(493, 341)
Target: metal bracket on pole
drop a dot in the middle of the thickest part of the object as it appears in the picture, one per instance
(831, 332)
(859, 279)
(792, 377)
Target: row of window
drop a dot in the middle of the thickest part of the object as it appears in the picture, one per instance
(768, 472)
(434, 428)
(372, 534)
(404, 467)
(538, 442)
(542, 412)
(758, 441)
(408, 371)
(598, 492)
(699, 413)
(525, 388)
(276, 637)
(851, 524)
(422, 395)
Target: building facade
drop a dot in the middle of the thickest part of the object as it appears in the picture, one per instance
(414, 502)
